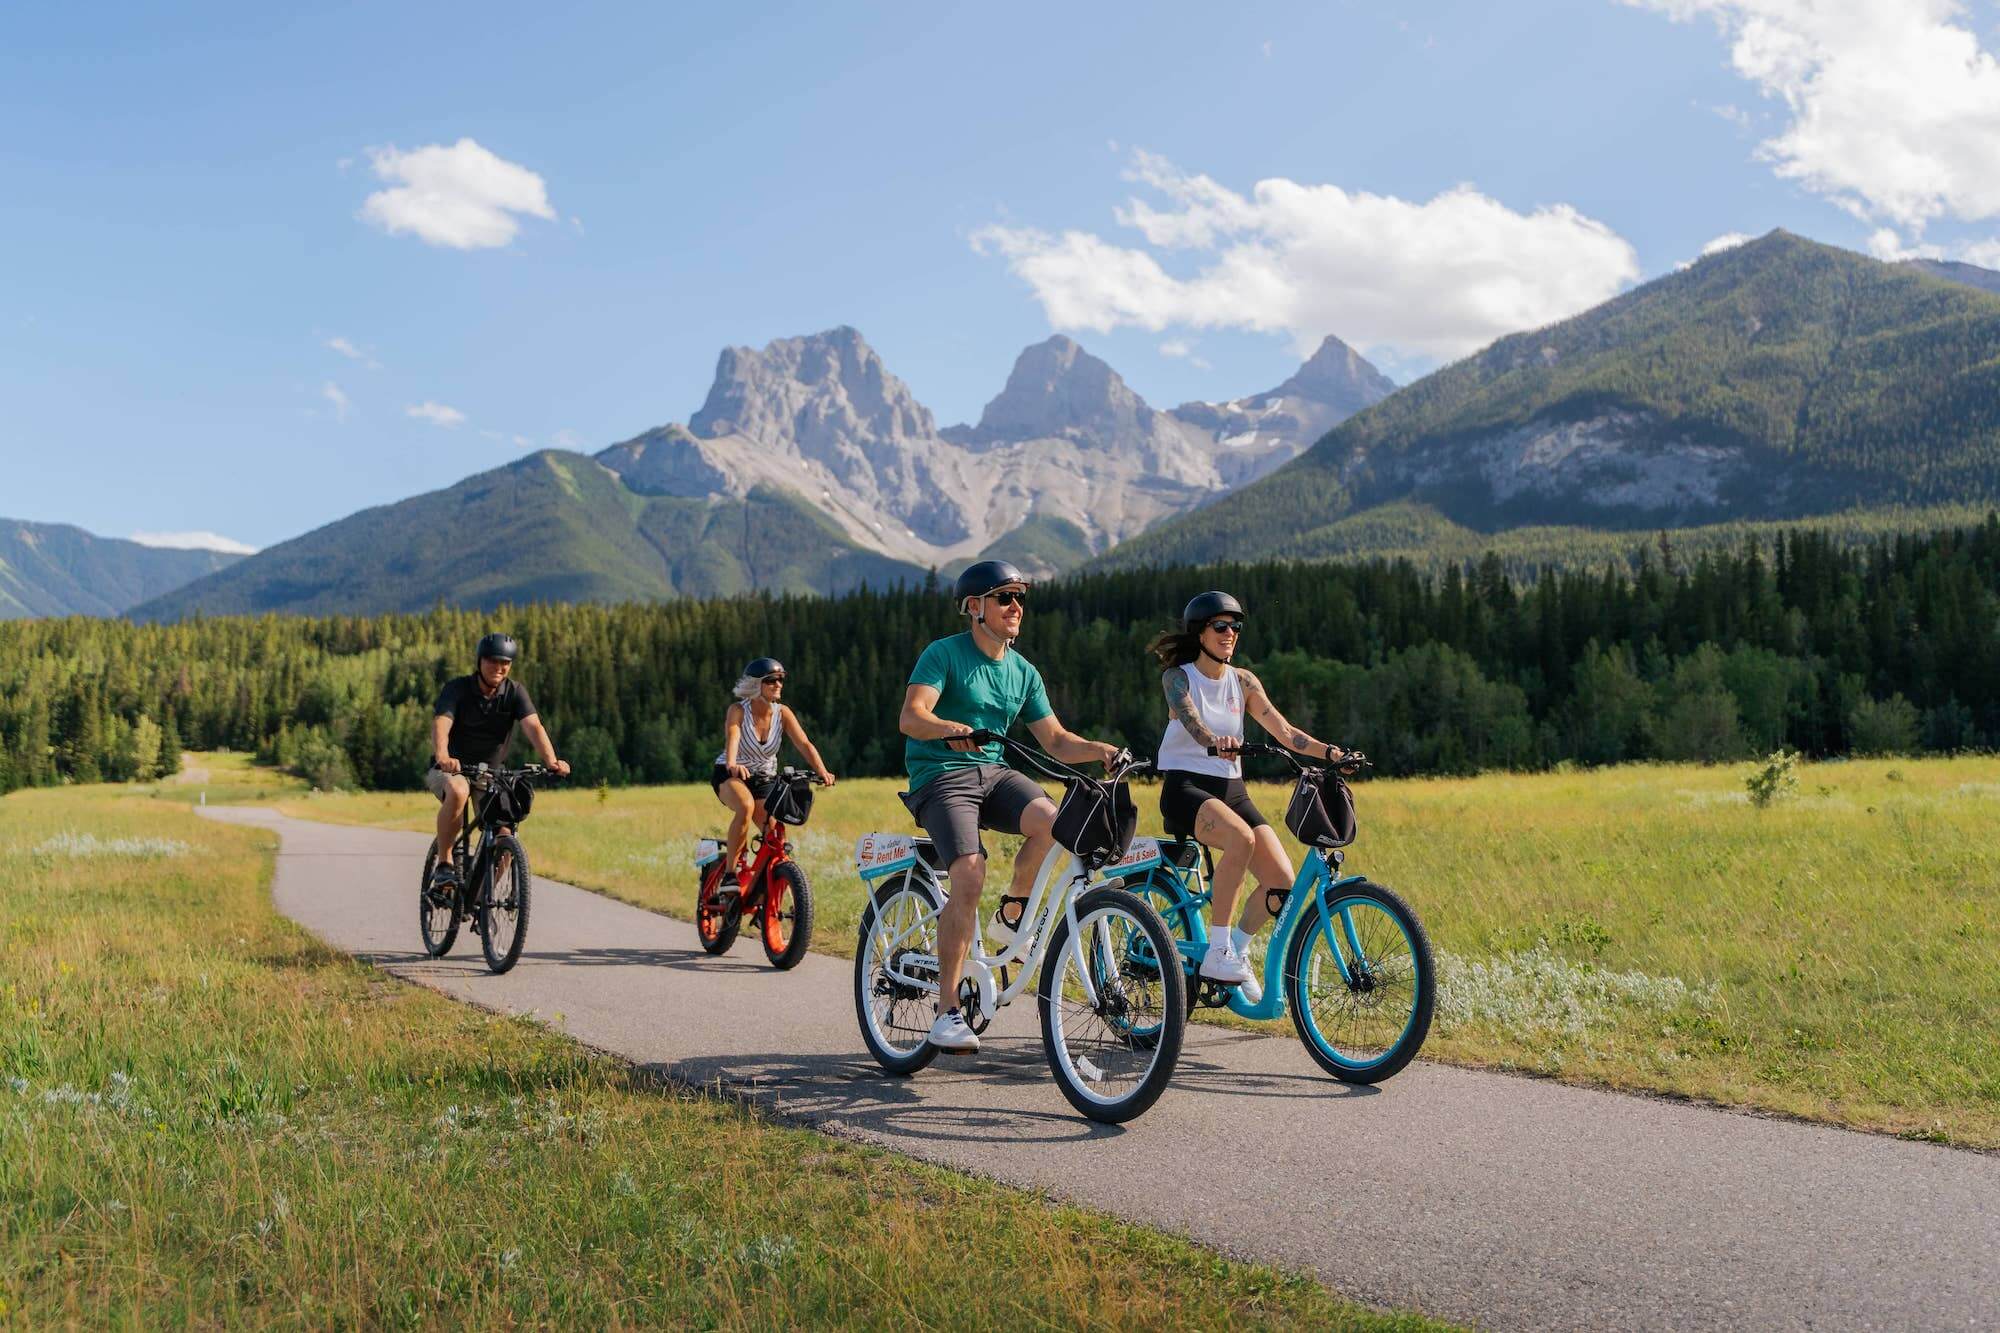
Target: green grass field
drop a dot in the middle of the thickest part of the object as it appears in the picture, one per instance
(1835, 956)
(208, 1119)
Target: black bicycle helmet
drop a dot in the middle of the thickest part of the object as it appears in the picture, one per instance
(764, 666)
(1207, 607)
(500, 646)
(983, 577)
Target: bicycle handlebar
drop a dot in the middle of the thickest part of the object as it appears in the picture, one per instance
(1350, 761)
(1123, 764)
(789, 774)
(532, 772)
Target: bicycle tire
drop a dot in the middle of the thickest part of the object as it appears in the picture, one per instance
(1163, 1050)
(437, 926)
(1299, 961)
(910, 1057)
(785, 947)
(510, 909)
(715, 923)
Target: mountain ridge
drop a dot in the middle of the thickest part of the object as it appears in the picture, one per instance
(1778, 379)
(58, 569)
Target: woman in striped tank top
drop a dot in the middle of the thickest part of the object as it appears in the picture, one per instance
(1202, 795)
(752, 730)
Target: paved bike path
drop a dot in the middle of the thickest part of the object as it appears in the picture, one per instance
(1501, 1201)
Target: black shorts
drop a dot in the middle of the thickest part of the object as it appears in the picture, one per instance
(953, 806)
(760, 784)
(1182, 795)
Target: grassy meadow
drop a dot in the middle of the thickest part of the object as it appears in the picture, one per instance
(1834, 956)
(208, 1119)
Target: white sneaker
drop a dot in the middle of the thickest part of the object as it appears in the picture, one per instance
(951, 1035)
(1222, 963)
(1253, 989)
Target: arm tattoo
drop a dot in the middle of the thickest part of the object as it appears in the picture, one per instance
(1180, 707)
(1258, 704)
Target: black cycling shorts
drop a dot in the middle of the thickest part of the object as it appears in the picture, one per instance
(1182, 795)
(760, 784)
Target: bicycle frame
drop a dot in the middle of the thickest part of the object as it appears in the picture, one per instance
(474, 863)
(1030, 943)
(1317, 883)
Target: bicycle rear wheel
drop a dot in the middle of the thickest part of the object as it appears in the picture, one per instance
(717, 916)
(896, 1016)
(503, 903)
(788, 915)
(437, 918)
(1362, 1001)
(1112, 1059)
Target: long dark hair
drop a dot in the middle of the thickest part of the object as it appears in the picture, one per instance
(1175, 646)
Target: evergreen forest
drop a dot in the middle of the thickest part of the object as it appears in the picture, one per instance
(1808, 639)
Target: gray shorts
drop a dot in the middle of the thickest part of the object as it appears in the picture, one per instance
(952, 807)
(435, 780)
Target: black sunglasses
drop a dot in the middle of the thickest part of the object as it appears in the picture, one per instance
(1226, 626)
(774, 680)
(1009, 598)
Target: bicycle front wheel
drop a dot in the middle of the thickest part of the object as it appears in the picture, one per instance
(788, 915)
(437, 912)
(1112, 1056)
(900, 921)
(1362, 1000)
(503, 904)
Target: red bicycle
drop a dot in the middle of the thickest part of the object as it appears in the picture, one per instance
(772, 890)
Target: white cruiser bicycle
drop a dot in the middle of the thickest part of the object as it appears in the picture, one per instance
(1112, 1018)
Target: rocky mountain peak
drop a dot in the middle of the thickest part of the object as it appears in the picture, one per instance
(826, 393)
(1338, 376)
(1058, 390)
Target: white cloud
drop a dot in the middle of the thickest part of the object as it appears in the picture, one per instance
(353, 353)
(1887, 245)
(1729, 240)
(331, 392)
(1182, 349)
(460, 196)
(1429, 280)
(567, 439)
(523, 442)
(436, 413)
(1894, 107)
(194, 541)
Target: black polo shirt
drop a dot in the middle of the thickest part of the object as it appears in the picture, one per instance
(481, 727)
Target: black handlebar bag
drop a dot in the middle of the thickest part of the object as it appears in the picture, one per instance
(790, 800)
(512, 799)
(1096, 820)
(1321, 812)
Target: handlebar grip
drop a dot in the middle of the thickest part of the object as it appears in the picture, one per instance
(983, 736)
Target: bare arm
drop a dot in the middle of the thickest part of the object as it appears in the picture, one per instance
(805, 746)
(538, 735)
(1181, 708)
(1258, 704)
(1066, 745)
(919, 723)
(440, 742)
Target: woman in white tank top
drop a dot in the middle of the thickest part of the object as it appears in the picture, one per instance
(1202, 795)
(753, 729)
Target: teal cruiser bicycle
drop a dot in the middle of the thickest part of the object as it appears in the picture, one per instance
(1348, 957)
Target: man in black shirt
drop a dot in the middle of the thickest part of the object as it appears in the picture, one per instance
(475, 721)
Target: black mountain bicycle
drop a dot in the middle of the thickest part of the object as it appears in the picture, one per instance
(493, 878)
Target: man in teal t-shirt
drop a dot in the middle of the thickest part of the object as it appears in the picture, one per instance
(975, 681)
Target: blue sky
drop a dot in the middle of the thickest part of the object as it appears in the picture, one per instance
(207, 325)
